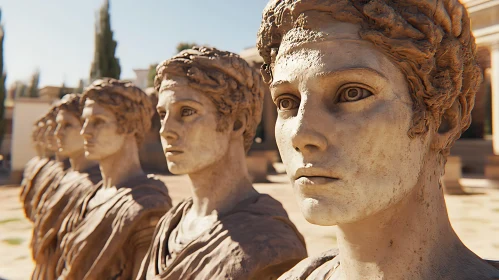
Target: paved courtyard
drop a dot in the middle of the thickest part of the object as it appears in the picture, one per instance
(474, 217)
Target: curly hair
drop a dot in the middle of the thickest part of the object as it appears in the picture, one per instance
(430, 41)
(71, 103)
(38, 127)
(227, 79)
(130, 105)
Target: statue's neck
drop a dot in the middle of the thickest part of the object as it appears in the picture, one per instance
(221, 186)
(79, 163)
(40, 151)
(122, 165)
(410, 240)
(59, 158)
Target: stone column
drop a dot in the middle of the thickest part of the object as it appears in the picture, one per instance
(492, 165)
(452, 176)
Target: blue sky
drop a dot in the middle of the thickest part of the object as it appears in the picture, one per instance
(57, 36)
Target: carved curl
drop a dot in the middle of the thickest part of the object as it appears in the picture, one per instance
(71, 103)
(130, 105)
(430, 41)
(38, 128)
(227, 79)
(49, 119)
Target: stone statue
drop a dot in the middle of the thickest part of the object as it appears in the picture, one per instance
(63, 196)
(371, 95)
(108, 233)
(210, 103)
(44, 169)
(35, 165)
(53, 172)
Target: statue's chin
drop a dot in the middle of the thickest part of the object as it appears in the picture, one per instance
(91, 156)
(315, 212)
(176, 169)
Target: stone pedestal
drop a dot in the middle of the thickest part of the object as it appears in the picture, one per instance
(452, 176)
(492, 167)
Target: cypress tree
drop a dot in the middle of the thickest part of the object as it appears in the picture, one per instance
(2, 84)
(105, 63)
(81, 87)
(63, 90)
(151, 74)
(184, 46)
(33, 86)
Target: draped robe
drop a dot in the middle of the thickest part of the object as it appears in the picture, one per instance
(103, 242)
(52, 174)
(63, 197)
(33, 172)
(256, 240)
(325, 267)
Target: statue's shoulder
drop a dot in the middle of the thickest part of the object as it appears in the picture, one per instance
(495, 264)
(144, 198)
(31, 165)
(267, 218)
(149, 191)
(265, 239)
(316, 267)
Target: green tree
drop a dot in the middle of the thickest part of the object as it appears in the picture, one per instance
(3, 76)
(33, 86)
(63, 90)
(80, 87)
(20, 89)
(184, 46)
(151, 75)
(105, 63)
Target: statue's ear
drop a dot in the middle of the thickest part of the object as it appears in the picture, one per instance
(450, 125)
(240, 122)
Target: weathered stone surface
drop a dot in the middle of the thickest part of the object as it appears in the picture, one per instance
(256, 240)
(63, 200)
(371, 96)
(107, 232)
(107, 240)
(210, 103)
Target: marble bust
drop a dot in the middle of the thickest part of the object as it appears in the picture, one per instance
(108, 231)
(44, 169)
(34, 165)
(210, 103)
(63, 194)
(52, 172)
(371, 95)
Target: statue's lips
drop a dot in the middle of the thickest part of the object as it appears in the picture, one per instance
(314, 176)
(172, 152)
(315, 180)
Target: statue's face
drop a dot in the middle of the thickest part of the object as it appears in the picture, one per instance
(344, 112)
(100, 131)
(67, 134)
(50, 136)
(189, 135)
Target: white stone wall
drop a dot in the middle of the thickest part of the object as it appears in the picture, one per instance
(26, 112)
(141, 79)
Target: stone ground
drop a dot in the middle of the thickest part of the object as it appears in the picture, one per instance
(474, 217)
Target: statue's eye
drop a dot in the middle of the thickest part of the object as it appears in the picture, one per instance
(353, 93)
(186, 111)
(287, 103)
(98, 122)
